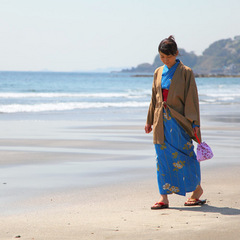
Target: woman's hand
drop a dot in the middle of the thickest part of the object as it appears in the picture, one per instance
(148, 128)
(196, 130)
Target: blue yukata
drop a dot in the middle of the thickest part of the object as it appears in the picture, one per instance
(178, 170)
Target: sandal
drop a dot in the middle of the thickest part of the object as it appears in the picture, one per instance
(194, 202)
(159, 205)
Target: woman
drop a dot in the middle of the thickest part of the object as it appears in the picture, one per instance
(174, 115)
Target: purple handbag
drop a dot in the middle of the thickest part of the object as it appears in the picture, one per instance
(204, 152)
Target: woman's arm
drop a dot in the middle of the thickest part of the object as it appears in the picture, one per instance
(151, 109)
(191, 109)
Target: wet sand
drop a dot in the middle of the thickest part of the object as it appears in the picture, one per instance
(97, 180)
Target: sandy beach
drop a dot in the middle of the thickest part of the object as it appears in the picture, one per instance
(97, 180)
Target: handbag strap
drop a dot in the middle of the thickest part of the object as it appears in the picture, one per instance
(197, 138)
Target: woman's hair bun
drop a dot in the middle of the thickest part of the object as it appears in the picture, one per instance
(168, 46)
(171, 37)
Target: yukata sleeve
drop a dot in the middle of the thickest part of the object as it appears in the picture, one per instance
(191, 108)
(151, 109)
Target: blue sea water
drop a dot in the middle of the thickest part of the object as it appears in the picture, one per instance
(52, 92)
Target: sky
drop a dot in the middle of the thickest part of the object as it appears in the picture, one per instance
(103, 35)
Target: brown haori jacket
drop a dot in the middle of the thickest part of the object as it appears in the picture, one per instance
(182, 102)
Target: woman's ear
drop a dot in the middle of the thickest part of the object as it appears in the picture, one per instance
(177, 53)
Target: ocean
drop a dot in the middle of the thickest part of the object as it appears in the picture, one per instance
(80, 94)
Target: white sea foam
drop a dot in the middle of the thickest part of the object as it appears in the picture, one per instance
(129, 94)
(14, 108)
(219, 95)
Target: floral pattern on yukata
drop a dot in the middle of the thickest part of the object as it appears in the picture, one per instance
(178, 170)
(171, 189)
(178, 165)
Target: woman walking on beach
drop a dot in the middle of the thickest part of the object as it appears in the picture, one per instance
(174, 115)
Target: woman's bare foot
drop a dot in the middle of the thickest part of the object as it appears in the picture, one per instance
(194, 199)
(163, 203)
(164, 199)
(197, 193)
